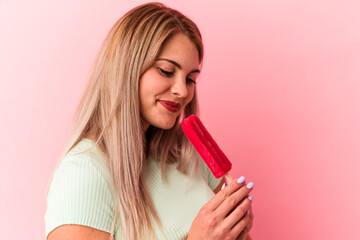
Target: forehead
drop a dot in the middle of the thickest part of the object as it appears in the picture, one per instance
(182, 50)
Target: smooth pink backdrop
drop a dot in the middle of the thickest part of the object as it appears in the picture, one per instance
(279, 91)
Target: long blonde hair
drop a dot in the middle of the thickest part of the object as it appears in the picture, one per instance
(110, 111)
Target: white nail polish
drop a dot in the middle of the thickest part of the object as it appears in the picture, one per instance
(250, 185)
(241, 179)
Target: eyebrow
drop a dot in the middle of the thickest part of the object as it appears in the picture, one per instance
(177, 65)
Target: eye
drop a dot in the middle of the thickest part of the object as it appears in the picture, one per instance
(166, 73)
(189, 80)
(170, 74)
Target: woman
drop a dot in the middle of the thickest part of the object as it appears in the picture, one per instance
(128, 170)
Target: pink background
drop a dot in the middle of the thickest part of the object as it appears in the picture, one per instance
(279, 91)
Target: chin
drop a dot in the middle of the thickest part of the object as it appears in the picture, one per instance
(165, 125)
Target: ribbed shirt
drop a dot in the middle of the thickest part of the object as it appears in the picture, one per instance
(82, 193)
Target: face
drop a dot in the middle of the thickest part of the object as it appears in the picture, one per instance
(168, 86)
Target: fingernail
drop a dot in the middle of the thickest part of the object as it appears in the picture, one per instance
(223, 186)
(250, 197)
(250, 185)
(241, 179)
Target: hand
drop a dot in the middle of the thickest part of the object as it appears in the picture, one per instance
(244, 234)
(224, 216)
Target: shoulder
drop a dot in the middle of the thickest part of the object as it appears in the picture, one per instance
(83, 169)
(81, 191)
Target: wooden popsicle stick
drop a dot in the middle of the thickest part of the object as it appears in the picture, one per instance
(228, 177)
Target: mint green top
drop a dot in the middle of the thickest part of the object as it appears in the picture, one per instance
(81, 193)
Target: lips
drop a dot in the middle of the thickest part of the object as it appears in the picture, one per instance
(171, 106)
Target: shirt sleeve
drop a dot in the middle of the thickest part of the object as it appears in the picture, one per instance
(79, 194)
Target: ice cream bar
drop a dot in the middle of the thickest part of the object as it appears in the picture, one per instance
(206, 146)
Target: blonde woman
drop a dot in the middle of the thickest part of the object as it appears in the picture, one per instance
(128, 171)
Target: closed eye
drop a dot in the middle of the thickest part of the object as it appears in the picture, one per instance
(170, 74)
(166, 73)
(190, 80)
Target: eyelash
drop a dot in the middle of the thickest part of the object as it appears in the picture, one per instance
(170, 74)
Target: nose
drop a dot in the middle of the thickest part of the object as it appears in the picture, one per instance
(180, 88)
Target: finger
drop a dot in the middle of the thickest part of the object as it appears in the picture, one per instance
(242, 236)
(251, 216)
(240, 226)
(247, 228)
(239, 204)
(233, 199)
(251, 213)
(215, 202)
(238, 213)
(250, 223)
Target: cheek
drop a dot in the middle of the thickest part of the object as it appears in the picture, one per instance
(152, 83)
(147, 85)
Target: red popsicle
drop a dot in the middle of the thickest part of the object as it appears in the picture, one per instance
(206, 146)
